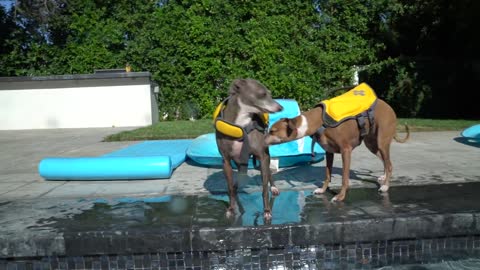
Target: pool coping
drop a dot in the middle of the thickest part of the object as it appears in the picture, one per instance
(156, 240)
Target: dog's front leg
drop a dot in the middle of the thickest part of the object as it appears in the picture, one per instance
(266, 178)
(228, 171)
(273, 188)
(346, 158)
(328, 174)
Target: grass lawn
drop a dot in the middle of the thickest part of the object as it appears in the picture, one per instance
(192, 129)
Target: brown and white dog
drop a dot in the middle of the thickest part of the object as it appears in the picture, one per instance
(343, 139)
(240, 133)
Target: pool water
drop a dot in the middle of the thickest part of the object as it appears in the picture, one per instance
(307, 231)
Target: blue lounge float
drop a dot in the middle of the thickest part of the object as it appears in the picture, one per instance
(203, 150)
(147, 160)
(158, 159)
(472, 132)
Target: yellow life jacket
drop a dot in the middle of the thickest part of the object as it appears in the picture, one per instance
(349, 104)
(358, 103)
(230, 129)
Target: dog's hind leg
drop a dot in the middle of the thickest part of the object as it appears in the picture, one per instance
(328, 174)
(232, 189)
(387, 166)
(371, 144)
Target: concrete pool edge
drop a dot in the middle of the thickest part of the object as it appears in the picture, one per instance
(87, 243)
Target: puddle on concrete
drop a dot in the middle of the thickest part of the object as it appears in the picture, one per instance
(291, 207)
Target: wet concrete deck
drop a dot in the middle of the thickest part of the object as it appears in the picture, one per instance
(434, 193)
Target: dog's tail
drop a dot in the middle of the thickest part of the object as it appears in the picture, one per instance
(406, 137)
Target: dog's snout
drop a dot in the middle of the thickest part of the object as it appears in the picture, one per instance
(276, 107)
(279, 108)
(272, 139)
(271, 107)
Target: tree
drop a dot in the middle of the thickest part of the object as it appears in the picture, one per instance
(73, 36)
(196, 48)
(7, 25)
(430, 58)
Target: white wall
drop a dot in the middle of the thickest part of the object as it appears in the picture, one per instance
(77, 107)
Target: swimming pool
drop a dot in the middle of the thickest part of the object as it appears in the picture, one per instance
(411, 228)
(441, 253)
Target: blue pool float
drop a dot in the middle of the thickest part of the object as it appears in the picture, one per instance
(472, 132)
(204, 151)
(105, 168)
(147, 160)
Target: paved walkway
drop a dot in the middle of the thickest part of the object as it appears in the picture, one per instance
(427, 158)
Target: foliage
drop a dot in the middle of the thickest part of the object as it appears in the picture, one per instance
(398, 81)
(298, 49)
(197, 48)
(428, 66)
(194, 49)
(7, 25)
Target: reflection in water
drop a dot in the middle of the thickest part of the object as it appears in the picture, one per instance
(290, 207)
(293, 207)
(286, 208)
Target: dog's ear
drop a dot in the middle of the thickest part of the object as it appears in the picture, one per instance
(291, 126)
(237, 86)
(292, 123)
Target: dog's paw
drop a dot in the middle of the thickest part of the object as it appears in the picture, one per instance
(230, 213)
(381, 178)
(337, 198)
(383, 188)
(275, 191)
(319, 191)
(267, 215)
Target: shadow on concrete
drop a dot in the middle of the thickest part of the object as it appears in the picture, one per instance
(468, 141)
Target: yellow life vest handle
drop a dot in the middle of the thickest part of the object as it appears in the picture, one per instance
(229, 129)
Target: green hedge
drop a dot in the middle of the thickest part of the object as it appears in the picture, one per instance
(298, 49)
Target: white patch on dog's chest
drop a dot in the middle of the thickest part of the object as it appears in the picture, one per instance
(242, 120)
(302, 129)
(244, 114)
